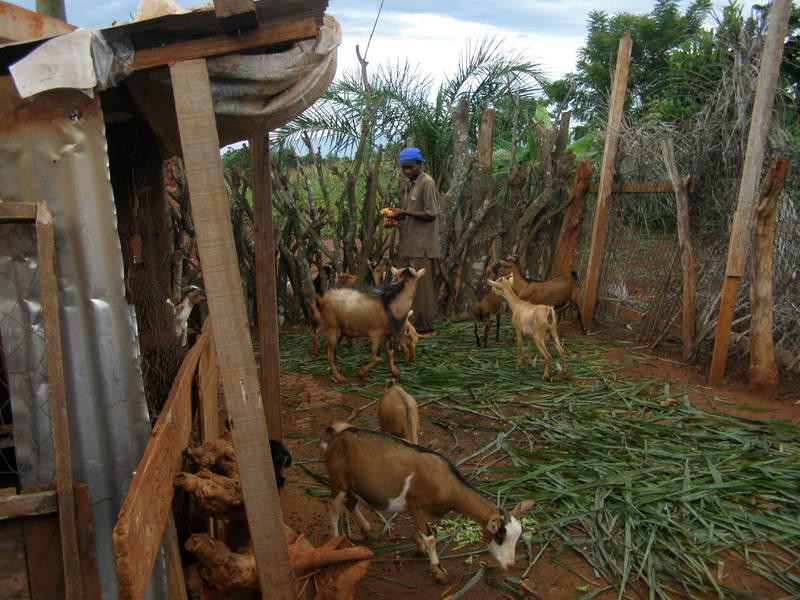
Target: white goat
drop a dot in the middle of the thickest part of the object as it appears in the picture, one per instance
(398, 413)
(391, 474)
(534, 321)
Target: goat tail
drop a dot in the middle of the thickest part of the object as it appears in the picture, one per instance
(336, 427)
(575, 276)
(551, 317)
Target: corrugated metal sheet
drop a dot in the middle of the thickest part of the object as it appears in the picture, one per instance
(53, 149)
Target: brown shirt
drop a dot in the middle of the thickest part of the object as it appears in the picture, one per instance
(421, 238)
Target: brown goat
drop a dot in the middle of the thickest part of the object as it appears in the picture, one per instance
(391, 474)
(398, 413)
(486, 304)
(556, 291)
(534, 321)
(378, 313)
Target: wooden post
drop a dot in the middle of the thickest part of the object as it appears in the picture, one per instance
(741, 230)
(600, 224)
(204, 174)
(266, 287)
(763, 368)
(685, 244)
(564, 255)
(57, 398)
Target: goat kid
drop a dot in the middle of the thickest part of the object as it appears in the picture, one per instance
(556, 291)
(377, 313)
(486, 304)
(408, 339)
(391, 474)
(534, 321)
(398, 413)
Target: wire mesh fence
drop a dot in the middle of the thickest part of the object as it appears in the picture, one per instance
(641, 270)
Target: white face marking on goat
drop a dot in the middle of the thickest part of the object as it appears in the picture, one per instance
(505, 553)
(399, 504)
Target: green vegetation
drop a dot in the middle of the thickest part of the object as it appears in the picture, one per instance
(657, 495)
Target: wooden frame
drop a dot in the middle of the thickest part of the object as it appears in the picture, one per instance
(29, 504)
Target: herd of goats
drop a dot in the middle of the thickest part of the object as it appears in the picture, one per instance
(387, 469)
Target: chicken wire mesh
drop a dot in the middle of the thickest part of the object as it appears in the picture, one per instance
(641, 270)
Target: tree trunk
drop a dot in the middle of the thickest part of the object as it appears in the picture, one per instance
(763, 369)
(680, 184)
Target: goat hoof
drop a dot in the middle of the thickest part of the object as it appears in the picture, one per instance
(440, 575)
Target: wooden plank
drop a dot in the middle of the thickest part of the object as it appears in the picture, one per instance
(689, 275)
(13, 570)
(57, 399)
(568, 237)
(18, 24)
(204, 173)
(141, 521)
(17, 212)
(176, 584)
(86, 546)
(266, 286)
(742, 228)
(23, 505)
(600, 223)
(208, 390)
(225, 44)
(44, 558)
(234, 15)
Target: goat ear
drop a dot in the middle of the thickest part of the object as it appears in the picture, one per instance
(395, 271)
(520, 508)
(420, 273)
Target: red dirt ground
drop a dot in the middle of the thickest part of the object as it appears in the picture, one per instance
(309, 405)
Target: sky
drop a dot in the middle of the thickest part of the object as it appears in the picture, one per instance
(432, 35)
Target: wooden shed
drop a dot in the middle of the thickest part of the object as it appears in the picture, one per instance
(90, 348)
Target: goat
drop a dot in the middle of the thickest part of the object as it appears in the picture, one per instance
(398, 413)
(379, 313)
(183, 310)
(408, 339)
(486, 304)
(378, 271)
(534, 321)
(347, 279)
(389, 473)
(556, 291)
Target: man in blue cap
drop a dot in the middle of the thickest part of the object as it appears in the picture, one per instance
(419, 235)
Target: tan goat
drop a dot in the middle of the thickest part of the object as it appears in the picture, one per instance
(377, 313)
(408, 339)
(556, 291)
(398, 413)
(391, 474)
(534, 321)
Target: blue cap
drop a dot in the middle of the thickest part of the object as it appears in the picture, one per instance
(411, 154)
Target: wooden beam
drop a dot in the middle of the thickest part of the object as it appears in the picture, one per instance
(600, 223)
(19, 24)
(235, 15)
(28, 505)
(268, 35)
(564, 255)
(57, 399)
(204, 174)
(742, 228)
(143, 517)
(17, 212)
(266, 286)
